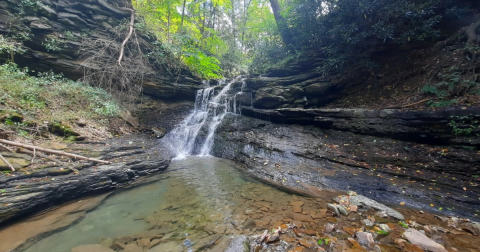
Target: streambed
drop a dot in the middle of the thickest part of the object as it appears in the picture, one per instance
(205, 204)
(200, 199)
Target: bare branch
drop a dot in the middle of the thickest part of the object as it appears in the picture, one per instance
(7, 163)
(53, 151)
(122, 48)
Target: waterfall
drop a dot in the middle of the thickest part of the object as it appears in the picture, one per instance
(209, 111)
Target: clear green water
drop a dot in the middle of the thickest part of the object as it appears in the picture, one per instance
(197, 198)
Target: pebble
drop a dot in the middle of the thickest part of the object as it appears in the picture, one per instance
(368, 222)
(384, 227)
(342, 210)
(365, 239)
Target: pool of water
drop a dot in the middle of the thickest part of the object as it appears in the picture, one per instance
(199, 200)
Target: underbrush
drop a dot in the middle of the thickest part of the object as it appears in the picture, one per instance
(50, 104)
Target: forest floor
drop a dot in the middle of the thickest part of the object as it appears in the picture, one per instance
(404, 79)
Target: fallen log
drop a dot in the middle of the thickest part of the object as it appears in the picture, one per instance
(31, 147)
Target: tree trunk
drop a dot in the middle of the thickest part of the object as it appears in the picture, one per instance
(202, 30)
(183, 15)
(213, 20)
(168, 24)
(233, 25)
(282, 25)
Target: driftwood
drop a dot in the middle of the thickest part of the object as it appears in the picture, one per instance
(132, 22)
(7, 163)
(31, 147)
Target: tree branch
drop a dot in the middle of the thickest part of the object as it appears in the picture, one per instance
(7, 163)
(49, 158)
(31, 147)
(132, 21)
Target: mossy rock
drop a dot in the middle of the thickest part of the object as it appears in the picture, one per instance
(61, 130)
(74, 138)
(10, 115)
(17, 163)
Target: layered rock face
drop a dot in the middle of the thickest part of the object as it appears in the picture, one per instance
(132, 157)
(52, 32)
(393, 156)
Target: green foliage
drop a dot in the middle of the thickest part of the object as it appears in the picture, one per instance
(53, 44)
(69, 35)
(10, 47)
(323, 240)
(403, 224)
(218, 37)
(464, 125)
(52, 98)
(346, 32)
(207, 67)
(382, 232)
(451, 85)
(28, 6)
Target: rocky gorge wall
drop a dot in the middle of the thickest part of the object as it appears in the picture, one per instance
(52, 32)
(402, 158)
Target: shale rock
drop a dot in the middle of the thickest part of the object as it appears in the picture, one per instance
(68, 22)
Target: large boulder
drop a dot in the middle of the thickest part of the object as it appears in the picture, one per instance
(272, 98)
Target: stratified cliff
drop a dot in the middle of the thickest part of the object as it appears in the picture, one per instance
(52, 32)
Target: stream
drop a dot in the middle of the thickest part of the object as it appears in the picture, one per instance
(201, 199)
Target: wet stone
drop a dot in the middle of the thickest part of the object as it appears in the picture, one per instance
(365, 239)
(333, 208)
(297, 209)
(420, 239)
(297, 203)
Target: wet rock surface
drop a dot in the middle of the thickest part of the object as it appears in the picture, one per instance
(346, 233)
(420, 126)
(306, 157)
(33, 189)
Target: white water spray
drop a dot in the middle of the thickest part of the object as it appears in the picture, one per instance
(209, 112)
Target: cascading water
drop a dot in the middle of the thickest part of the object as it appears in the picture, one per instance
(209, 112)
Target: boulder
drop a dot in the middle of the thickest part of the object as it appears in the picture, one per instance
(318, 89)
(159, 132)
(419, 239)
(365, 239)
(379, 206)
